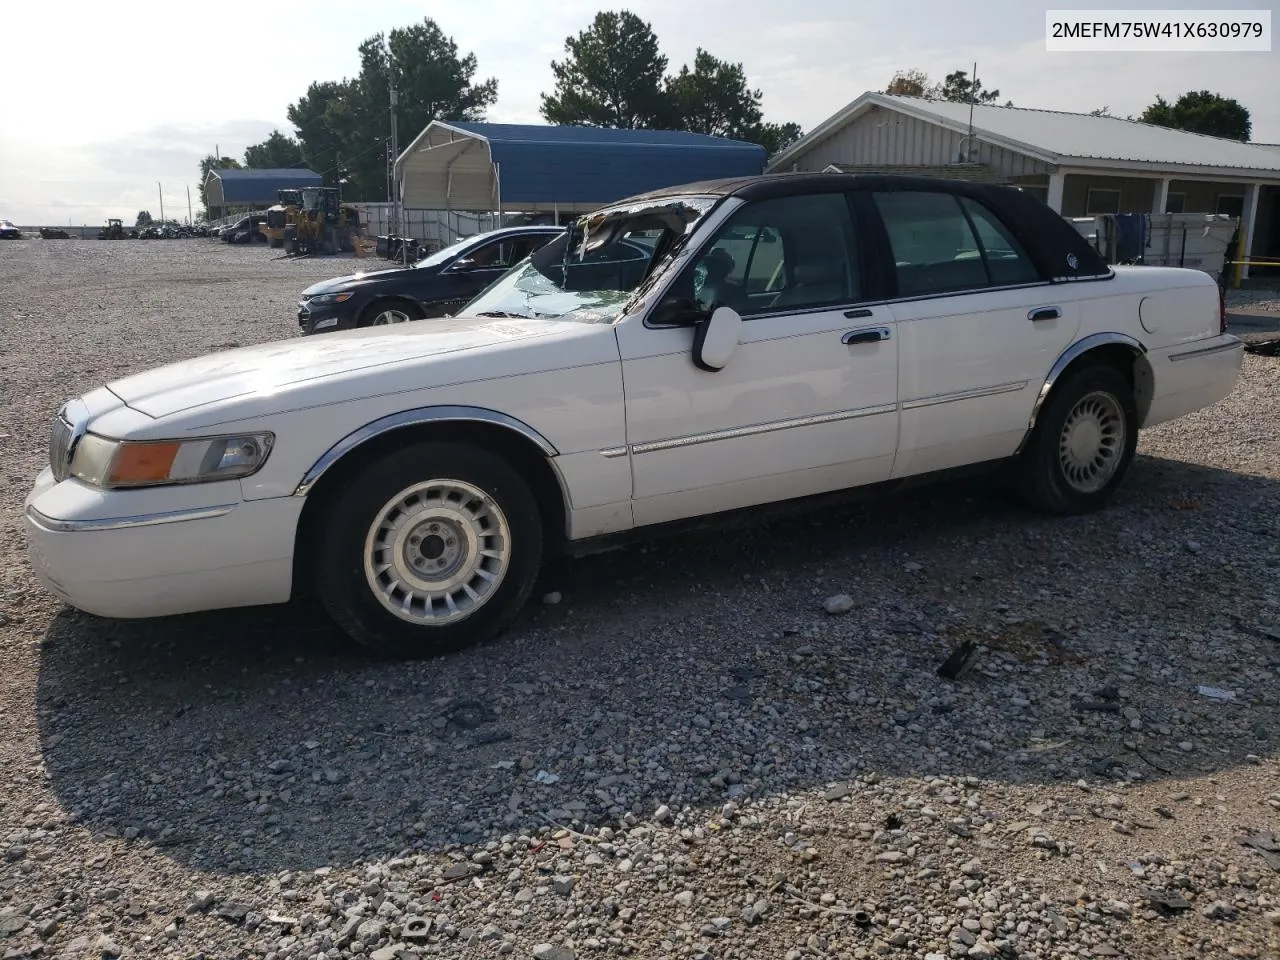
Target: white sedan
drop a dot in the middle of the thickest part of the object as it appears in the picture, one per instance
(786, 336)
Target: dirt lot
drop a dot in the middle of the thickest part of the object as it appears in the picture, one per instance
(685, 757)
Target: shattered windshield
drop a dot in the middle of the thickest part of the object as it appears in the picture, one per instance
(590, 272)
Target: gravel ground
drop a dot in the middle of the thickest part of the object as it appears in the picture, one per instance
(687, 755)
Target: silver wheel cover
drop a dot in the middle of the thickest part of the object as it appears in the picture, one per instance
(1092, 442)
(437, 551)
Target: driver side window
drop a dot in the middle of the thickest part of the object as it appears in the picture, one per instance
(785, 254)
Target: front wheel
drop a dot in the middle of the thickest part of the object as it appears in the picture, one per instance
(1083, 444)
(436, 547)
(386, 312)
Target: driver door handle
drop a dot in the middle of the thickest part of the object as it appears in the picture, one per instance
(1044, 313)
(866, 335)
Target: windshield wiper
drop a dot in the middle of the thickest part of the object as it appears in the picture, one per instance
(505, 314)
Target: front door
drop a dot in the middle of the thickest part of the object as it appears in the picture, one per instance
(807, 402)
(978, 329)
(462, 280)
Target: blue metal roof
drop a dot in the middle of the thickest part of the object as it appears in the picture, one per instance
(577, 164)
(257, 186)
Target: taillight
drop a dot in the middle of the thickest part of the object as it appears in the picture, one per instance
(1222, 309)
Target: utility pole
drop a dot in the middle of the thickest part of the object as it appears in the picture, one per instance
(395, 180)
(160, 190)
(190, 219)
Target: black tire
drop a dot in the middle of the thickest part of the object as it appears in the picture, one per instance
(1042, 477)
(373, 310)
(346, 590)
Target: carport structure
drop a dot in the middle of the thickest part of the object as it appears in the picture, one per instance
(236, 187)
(457, 165)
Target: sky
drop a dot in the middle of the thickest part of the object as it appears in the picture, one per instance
(109, 107)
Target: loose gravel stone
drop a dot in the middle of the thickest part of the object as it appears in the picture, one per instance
(242, 784)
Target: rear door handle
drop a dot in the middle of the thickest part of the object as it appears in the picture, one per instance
(866, 335)
(1044, 313)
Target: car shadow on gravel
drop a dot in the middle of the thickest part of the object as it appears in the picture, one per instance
(693, 671)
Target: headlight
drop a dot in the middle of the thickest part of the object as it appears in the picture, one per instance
(327, 298)
(145, 463)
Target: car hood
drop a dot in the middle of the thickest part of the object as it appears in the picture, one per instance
(338, 364)
(364, 279)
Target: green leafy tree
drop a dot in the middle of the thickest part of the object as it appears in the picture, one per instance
(1104, 111)
(775, 137)
(958, 87)
(213, 163)
(144, 219)
(275, 152)
(1200, 111)
(714, 98)
(613, 76)
(344, 127)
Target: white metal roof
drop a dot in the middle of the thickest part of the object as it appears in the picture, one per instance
(1072, 139)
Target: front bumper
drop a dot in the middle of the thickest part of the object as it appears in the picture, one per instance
(325, 318)
(97, 551)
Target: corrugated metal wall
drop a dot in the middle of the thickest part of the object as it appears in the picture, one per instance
(888, 137)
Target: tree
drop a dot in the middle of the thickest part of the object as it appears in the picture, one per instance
(913, 83)
(1104, 111)
(958, 87)
(776, 137)
(213, 163)
(344, 127)
(275, 152)
(612, 76)
(144, 219)
(1200, 111)
(713, 98)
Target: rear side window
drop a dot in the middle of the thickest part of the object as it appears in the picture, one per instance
(942, 244)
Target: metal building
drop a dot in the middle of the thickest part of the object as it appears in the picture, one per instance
(456, 165)
(253, 188)
(1079, 164)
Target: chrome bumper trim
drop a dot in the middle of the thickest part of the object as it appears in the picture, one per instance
(1206, 351)
(125, 523)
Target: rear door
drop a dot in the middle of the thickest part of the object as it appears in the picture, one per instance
(978, 328)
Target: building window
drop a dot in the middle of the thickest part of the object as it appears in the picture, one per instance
(1175, 203)
(1230, 204)
(1102, 201)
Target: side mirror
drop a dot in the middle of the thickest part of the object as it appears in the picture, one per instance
(678, 312)
(715, 339)
(463, 265)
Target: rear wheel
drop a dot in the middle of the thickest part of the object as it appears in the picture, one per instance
(436, 547)
(1083, 444)
(385, 312)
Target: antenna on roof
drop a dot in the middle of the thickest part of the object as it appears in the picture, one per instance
(973, 95)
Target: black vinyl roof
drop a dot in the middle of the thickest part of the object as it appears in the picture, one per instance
(1058, 249)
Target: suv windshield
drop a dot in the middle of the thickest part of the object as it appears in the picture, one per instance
(590, 272)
